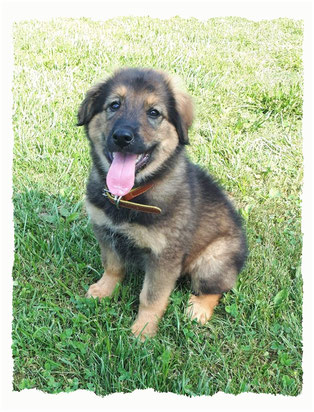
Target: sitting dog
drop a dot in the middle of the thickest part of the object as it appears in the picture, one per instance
(149, 205)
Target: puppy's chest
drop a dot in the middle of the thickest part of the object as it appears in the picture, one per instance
(127, 238)
(124, 246)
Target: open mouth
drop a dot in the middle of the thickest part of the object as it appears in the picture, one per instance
(123, 168)
(140, 162)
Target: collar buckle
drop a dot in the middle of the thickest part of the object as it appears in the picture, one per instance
(124, 201)
(116, 200)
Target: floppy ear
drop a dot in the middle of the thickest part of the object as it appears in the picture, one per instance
(184, 113)
(92, 104)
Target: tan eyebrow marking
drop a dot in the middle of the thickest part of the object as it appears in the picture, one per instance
(120, 91)
(152, 100)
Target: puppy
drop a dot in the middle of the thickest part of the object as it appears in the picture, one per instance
(149, 205)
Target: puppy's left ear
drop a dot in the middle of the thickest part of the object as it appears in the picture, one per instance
(185, 115)
(182, 116)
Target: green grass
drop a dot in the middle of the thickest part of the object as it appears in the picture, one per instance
(246, 79)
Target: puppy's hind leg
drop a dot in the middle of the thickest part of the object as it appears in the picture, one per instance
(202, 307)
(213, 272)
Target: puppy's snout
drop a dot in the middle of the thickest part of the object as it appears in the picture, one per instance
(122, 137)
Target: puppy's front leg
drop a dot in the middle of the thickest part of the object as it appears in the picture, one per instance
(158, 284)
(114, 273)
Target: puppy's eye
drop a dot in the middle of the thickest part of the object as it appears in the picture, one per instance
(114, 106)
(154, 113)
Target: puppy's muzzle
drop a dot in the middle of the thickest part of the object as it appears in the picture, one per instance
(122, 137)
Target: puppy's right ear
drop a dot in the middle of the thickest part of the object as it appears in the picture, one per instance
(92, 104)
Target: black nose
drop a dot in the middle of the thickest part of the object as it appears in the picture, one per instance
(122, 137)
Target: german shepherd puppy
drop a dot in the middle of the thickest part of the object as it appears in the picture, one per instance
(181, 222)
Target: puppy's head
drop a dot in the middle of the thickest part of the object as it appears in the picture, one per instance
(135, 120)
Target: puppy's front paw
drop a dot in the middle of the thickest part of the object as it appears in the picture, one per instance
(104, 287)
(144, 329)
(96, 291)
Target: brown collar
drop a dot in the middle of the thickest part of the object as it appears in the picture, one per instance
(124, 201)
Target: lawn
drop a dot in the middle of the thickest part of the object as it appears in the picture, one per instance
(246, 79)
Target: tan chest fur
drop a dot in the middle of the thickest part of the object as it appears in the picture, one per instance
(152, 238)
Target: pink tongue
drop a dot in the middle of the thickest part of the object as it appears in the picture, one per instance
(121, 175)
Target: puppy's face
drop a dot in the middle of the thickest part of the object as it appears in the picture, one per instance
(136, 117)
